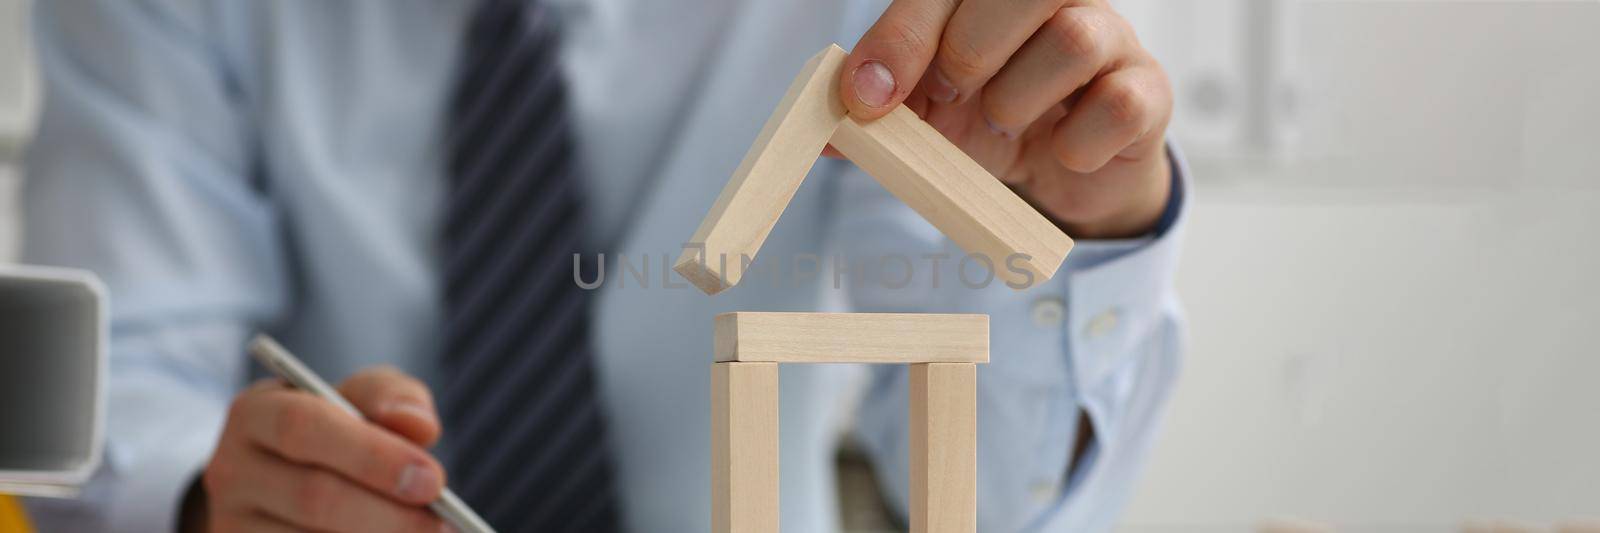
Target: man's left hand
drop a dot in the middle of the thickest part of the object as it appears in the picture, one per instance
(1057, 98)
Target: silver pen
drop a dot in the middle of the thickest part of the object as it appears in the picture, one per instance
(277, 359)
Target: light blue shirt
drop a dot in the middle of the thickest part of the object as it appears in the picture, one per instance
(275, 166)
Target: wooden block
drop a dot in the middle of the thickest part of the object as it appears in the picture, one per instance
(766, 180)
(851, 338)
(1293, 525)
(955, 194)
(1579, 526)
(744, 447)
(1500, 526)
(944, 448)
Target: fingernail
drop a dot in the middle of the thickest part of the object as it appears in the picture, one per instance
(942, 90)
(874, 84)
(447, 528)
(411, 408)
(999, 130)
(417, 482)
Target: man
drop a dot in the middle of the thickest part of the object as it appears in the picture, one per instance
(404, 183)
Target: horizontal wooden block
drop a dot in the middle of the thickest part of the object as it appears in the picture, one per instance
(1579, 526)
(1293, 525)
(944, 448)
(851, 337)
(744, 447)
(767, 178)
(981, 215)
(1500, 526)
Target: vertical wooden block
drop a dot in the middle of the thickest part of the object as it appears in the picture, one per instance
(944, 448)
(744, 447)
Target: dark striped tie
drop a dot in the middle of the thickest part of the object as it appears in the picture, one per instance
(522, 419)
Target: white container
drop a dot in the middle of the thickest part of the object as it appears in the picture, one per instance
(10, 218)
(53, 373)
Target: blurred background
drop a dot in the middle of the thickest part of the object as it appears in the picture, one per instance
(1390, 271)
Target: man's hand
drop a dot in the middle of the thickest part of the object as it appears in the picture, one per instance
(1055, 97)
(289, 461)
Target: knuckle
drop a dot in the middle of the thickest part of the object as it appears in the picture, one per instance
(959, 58)
(241, 408)
(225, 522)
(294, 427)
(315, 497)
(382, 375)
(909, 38)
(420, 522)
(406, 386)
(377, 461)
(1123, 102)
(1002, 113)
(218, 476)
(1080, 162)
(1075, 32)
(387, 383)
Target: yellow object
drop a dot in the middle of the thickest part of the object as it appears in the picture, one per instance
(12, 518)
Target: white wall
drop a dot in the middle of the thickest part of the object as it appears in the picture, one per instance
(1394, 319)
(18, 97)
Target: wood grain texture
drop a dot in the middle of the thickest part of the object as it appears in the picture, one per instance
(1579, 526)
(766, 180)
(851, 337)
(744, 447)
(944, 448)
(1293, 525)
(981, 215)
(1500, 526)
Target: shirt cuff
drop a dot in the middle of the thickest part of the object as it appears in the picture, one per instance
(1118, 293)
(1169, 215)
(153, 469)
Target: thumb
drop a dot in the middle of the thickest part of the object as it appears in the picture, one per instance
(891, 57)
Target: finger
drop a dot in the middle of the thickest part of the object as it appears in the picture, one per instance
(891, 57)
(308, 430)
(918, 100)
(396, 401)
(318, 499)
(265, 384)
(1120, 200)
(250, 521)
(981, 36)
(1122, 113)
(1067, 52)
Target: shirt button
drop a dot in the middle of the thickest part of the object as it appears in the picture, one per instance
(1102, 324)
(1049, 312)
(1043, 492)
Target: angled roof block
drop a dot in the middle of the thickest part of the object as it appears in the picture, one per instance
(766, 180)
(906, 155)
(984, 217)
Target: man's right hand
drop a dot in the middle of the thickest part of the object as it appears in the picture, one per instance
(289, 461)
